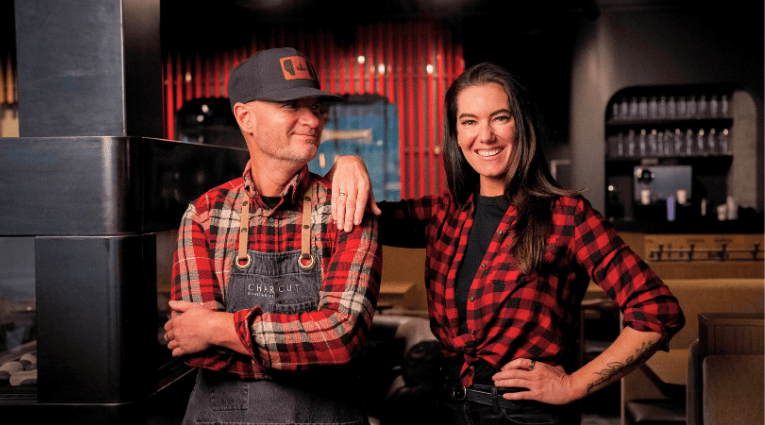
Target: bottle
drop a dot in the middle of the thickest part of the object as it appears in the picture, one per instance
(722, 141)
(702, 107)
(661, 112)
(713, 107)
(689, 142)
(631, 143)
(701, 145)
(679, 143)
(615, 111)
(669, 142)
(653, 143)
(642, 145)
(671, 108)
(634, 108)
(620, 145)
(712, 142)
(691, 108)
(682, 108)
(724, 106)
(643, 108)
(624, 110)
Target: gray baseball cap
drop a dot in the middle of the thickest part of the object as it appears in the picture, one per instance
(276, 75)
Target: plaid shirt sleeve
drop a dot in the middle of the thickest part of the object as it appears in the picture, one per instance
(334, 332)
(645, 300)
(409, 218)
(195, 280)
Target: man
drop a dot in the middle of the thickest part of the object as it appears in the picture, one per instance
(271, 301)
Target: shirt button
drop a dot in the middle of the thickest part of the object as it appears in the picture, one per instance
(500, 232)
(483, 265)
(473, 332)
(472, 299)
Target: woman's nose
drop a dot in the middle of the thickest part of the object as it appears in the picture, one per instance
(485, 133)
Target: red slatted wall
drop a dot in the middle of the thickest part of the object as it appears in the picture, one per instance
(410, 63)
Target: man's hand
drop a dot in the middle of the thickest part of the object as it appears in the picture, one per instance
(187, 333)
(351, 192)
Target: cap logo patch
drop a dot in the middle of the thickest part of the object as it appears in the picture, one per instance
(297, 68)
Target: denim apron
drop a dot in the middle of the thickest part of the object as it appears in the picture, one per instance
(284, 282)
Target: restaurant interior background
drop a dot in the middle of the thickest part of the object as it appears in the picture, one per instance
(655, 109)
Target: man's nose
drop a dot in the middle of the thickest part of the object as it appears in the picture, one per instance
(310, 116)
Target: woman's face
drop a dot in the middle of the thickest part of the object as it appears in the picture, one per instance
(486, 134)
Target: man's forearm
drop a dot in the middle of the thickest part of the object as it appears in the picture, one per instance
(222, 333)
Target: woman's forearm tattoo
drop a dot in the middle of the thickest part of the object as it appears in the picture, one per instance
(616, 368)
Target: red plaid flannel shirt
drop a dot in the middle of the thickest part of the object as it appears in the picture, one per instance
(351, 264)
(511, 314)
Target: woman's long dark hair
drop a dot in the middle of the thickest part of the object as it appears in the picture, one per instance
(529, 186)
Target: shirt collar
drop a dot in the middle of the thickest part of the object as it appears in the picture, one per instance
(291, 192)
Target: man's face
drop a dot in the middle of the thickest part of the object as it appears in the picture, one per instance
(287, 131)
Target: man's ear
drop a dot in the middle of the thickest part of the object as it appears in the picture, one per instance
(243, 117)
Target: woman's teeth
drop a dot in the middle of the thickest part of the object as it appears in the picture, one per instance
(489, 153)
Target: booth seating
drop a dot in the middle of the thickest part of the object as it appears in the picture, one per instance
(656, 393)
(726, 371)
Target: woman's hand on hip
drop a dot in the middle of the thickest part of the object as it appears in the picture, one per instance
(546, 383)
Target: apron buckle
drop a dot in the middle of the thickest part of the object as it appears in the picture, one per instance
(303, 257)
(241, 266)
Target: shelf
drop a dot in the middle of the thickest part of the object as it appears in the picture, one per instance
(671, 124)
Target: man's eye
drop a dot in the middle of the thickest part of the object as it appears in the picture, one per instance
(503, 118)
(467, 122)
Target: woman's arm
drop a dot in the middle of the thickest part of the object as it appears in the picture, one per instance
(550, 384)
(351, 192)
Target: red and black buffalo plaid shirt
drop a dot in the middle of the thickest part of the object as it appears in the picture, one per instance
(351, 264)
(511, 314)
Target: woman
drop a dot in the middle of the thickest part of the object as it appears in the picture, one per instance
(509, 257)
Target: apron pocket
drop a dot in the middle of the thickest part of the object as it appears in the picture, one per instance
(229, 394)
(295, 308)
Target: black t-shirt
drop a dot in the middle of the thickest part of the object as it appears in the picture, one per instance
(488, 214)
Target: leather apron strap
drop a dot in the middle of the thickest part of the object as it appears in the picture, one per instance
(305, 261)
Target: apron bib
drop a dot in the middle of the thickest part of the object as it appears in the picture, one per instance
(284, 282)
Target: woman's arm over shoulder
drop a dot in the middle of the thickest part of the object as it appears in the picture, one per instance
(404, 223)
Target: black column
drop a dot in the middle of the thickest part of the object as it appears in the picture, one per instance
(89, 68)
